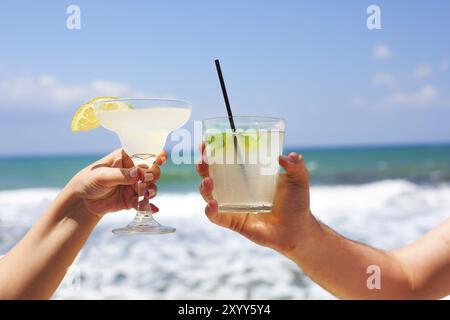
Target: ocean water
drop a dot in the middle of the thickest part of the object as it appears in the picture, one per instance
(327, 166)
(383, 196)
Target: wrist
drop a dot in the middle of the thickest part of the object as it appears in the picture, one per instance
(72, 205)
(305, 238)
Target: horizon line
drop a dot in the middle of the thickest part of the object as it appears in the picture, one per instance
(286, 148)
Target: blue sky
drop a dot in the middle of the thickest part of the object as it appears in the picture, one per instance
(314, 63)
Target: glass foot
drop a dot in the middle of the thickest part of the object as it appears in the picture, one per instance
(144, 223)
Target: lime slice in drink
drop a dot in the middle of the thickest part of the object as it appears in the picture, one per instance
(247, 141)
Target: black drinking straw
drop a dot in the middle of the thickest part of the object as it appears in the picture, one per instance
(227, 104)
(230, 114)
(225, 96)
(233, 127)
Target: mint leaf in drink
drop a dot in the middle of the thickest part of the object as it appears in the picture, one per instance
(249, 140)
(216, 141)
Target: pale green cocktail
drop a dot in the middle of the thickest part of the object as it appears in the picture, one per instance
(244, 164)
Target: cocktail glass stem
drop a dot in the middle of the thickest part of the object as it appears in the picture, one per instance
(143, 222)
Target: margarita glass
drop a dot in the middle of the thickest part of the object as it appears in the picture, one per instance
(143, 126)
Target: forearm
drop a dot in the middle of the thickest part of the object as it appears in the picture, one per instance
(341, 266)
(34, 268)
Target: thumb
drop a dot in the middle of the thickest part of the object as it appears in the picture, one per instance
(295, 168)
(111, 177)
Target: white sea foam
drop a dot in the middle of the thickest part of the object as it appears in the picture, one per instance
(202, 260)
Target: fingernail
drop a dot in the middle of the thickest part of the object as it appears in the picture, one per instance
(289, 159)
(150, 193)
(210, 204)
(205, 183)
(148, 176)
(293, 157)
(133, 172)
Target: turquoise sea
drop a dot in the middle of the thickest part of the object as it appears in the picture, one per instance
(328, 166)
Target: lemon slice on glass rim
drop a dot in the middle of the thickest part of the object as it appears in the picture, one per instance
(85, 118)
